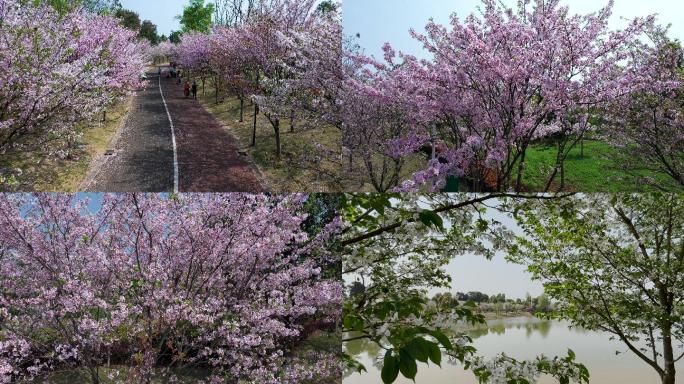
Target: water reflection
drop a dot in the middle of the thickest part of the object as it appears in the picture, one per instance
(530, 325)
(523, 338)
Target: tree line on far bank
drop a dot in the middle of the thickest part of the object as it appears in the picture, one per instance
(495, 303)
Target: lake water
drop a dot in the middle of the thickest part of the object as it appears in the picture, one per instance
(525, 338)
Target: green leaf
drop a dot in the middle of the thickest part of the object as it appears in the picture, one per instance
(418, 349)
(434, 353)
(383, 309)
(430, 218)
(446, 343)
(379, 203)
(407, 365)
(353, 323)
(390, 368)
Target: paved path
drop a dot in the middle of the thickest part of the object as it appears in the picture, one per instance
(205, 159)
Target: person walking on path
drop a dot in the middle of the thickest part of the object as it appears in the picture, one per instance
(194, 90)
(159, 72)
(186, 89)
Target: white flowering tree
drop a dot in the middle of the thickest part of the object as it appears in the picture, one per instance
(395, 248)
(613, 263)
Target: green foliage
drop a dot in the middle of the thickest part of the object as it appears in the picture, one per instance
(148, 31)
(613, 263)
(197, 16)
(129, 19)
(175, 37)
(327, 6)
(385, 237)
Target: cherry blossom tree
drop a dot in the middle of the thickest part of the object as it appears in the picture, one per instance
(161, 52)
(58, 71)
(283, 55)
(375, 112)
(650, 121)
(498, 81)
(226, 283)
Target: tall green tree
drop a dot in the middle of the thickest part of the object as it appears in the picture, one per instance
(197, 16)
(327, 6)
(128, 19)
(148, 31)
(613, 263)
(175, 37)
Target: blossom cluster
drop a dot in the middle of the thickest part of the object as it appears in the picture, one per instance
(58, 70)
(227, 283)
(492, 85)
(286, 58)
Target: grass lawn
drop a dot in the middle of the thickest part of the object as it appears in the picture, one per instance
(594, 172)
(42, 174)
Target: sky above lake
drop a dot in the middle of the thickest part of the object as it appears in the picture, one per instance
(162, 13)
(380, 21)
(476, 273)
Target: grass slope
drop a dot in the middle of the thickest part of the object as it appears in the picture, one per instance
(595, 172)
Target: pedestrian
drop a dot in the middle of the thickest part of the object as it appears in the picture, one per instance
(179, 78)
(160, 72)
(194, 90)
(186, 89)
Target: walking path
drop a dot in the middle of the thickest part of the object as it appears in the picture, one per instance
(171, 144)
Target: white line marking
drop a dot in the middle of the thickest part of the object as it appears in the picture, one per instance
(173, 140)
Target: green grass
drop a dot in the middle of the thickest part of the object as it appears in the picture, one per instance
(595, 172)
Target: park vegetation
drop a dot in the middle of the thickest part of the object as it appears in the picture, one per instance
(501, 84)
(281, 61)
(142, 288)
(499, 88)
(608, 263)
(62, 66)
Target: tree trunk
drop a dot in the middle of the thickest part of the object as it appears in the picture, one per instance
(256, 112)
(216, 86)
(562, 177)
(582, 148)
(669, 372)
(276, 128)
(292, 121)
(94, 376)
(521, 171)
(242, 108)
(104, 116)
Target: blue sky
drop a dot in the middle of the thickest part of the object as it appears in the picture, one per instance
(160, 12)
(380, 21)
